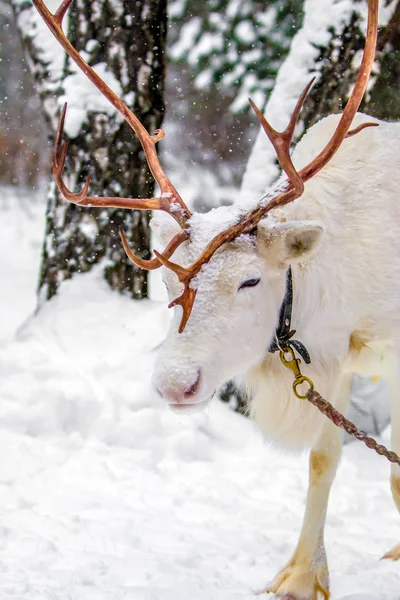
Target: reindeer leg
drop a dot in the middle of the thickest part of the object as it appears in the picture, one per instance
(306, 576)
(394, 388)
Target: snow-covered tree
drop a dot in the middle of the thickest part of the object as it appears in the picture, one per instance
(237, 44)
(328, 46)
(124, 42)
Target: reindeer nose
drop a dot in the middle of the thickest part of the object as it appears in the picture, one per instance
(191, 389)
(179, 389)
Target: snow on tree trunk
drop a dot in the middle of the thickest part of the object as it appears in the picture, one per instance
(125, 43)
(328, 46)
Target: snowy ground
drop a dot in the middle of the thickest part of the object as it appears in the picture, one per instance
(21, 238)
(105, 495)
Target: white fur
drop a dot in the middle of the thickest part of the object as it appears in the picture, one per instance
(346, 275)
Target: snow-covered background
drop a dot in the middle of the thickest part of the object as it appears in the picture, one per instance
(105, 495)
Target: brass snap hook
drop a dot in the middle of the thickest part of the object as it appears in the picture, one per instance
(293, 364)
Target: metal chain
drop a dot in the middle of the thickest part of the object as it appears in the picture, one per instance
(292, 363)
(340, 421)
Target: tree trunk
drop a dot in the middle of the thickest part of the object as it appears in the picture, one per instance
(130, 39)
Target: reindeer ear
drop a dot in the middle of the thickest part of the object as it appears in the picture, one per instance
(164, 228)
(291, 242)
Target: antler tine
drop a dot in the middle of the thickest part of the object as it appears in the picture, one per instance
(81, 198)
(186, 301)
(154, 263)
(289, 131)
(360, 128)
(61, 11)
(57, 153)
(170, 200)
(59, 158)
(182, 273)
(281, 140)
(60, 149)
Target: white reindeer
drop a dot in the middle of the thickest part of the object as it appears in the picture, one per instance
(341, 239)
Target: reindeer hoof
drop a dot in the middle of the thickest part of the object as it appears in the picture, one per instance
(393, 554)
(300, 582)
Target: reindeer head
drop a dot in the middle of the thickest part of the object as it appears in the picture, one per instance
(229, 267)
(238, 297)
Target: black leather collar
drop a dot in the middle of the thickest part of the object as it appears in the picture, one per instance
(283, 334)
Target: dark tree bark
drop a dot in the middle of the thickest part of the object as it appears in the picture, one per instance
(130, 39)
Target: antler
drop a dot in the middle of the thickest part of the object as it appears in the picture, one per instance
(281, 141)
(186, 299)
(155, 263)
(294, 187)
(169, 201)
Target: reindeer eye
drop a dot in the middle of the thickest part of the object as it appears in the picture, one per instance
(250, 283)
